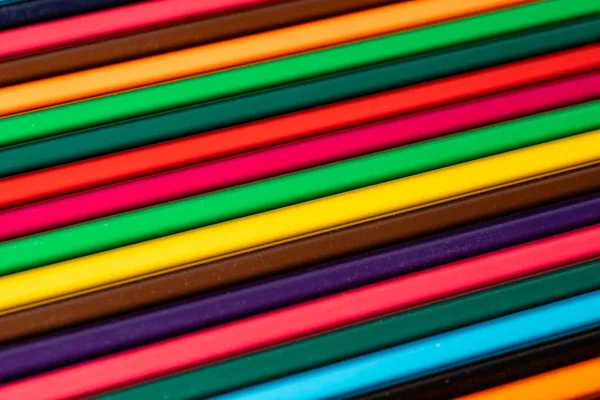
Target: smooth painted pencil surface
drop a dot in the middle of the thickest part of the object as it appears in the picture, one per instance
(300, 155)
(328, 246)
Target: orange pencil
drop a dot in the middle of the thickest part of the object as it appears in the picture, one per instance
(236, 52)
(579, 381)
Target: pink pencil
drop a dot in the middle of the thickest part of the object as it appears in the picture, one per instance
(219, 174)
(114, 21)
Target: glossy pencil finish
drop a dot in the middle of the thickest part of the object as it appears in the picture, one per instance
(197, 32)
(268, 46)
(579, 381)
(435, 353)
(497, 371)
(146, 160)
(171, 320)
(53, 282)
(365, 338)
(346, 179)
(290, 70)
(306, 251)
(22, 13)
(82, 27)
(300, 155)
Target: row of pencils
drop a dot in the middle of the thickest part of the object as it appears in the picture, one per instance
(299, 199)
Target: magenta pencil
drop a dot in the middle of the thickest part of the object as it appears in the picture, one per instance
(219, 174)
